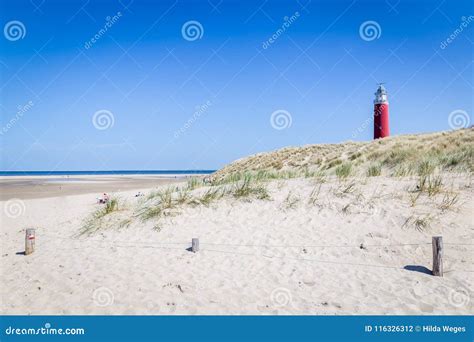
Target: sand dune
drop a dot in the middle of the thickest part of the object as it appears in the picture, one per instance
(341, 255)
(397, 155)
(315, 244)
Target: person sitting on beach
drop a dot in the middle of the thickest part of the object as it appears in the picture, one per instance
(103, 199)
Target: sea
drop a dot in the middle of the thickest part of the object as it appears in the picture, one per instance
(109, 172)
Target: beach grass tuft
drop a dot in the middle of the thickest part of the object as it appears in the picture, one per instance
(314, 196)
(170, 200)
(344, 170)
(291, 201)
(426, 167)
(449, 201)
(249, 187)
(211, 195)
(421, 223)
(194, 183)
(430, 184)
(374, 170)
(94, 222)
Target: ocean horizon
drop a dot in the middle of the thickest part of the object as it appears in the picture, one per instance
(105, 172)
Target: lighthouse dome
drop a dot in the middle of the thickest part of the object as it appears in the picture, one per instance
(381, 90)
(381, 95)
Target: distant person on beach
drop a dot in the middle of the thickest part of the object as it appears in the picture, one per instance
(103, 199)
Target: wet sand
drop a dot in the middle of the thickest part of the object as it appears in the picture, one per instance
(30, 187)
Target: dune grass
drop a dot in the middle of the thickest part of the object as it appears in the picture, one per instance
(426, 167)
(291, 201)
(344, 170)
(344, 189)
(430, 184)
(423, 156)
(314, 196)
(194, 183)
(402, 171)
(247, 188)
(94, 222)
(397, 156)
(170, 201)
(211, 195)
(374, 170)
(420, 223)
(449, 201)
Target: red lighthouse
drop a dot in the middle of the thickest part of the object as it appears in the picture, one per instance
(381, 124)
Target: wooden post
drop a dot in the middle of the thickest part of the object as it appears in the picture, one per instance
(437, 242)
(29, 241)
(195, 245)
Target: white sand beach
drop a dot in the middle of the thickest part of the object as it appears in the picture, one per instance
(319, 244)
(26, 187)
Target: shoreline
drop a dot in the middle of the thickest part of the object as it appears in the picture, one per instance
(35, 187)
(162, 175)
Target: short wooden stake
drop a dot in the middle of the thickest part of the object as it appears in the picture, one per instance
(437, 242)
(29, 241)
(195, 245)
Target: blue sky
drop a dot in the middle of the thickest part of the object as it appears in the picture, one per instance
(179, 101)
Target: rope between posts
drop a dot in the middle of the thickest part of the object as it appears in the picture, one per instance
(265, 256)
(144, 244)
(250, 245)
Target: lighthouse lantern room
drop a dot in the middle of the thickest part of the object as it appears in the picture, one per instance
(381, 121)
